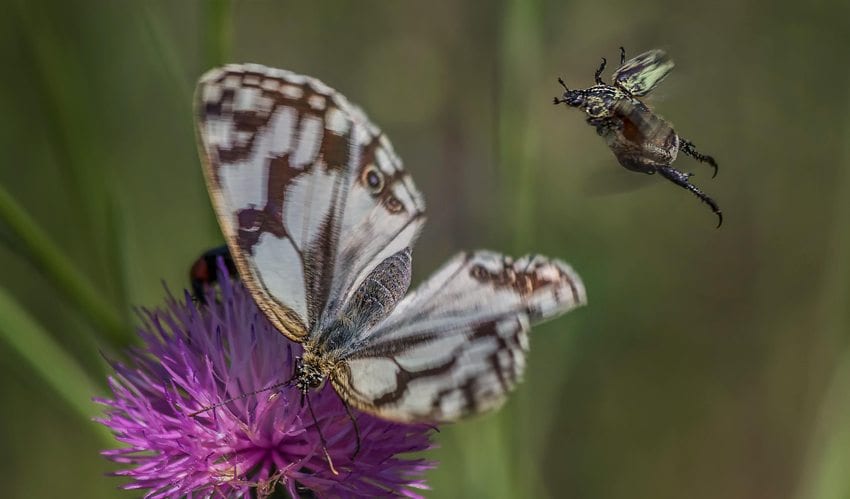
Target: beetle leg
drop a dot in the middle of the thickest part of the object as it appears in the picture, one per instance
(604, 125)
(622, 56)
(598, 75)
(681, 179)
(688, 148)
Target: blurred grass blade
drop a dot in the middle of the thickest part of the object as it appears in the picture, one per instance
(164, 50)
(218, 32)
(519, 153)
(118, 254)
(825, 471)
(828, 458)
(519, 135)
(72, 129)
(61, 271)
(49, 360)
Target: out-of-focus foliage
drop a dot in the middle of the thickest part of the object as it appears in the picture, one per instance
(707, 364)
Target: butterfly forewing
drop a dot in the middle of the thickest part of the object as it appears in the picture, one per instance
(309, 194)
(641, 74)
(456, 346)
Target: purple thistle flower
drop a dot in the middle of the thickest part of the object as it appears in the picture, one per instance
(197, 356)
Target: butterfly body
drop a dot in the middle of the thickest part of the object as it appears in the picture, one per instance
(640, 139)
(373, 301)
(320, 217)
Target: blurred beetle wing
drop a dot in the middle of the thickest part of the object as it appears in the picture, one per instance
(641, 74)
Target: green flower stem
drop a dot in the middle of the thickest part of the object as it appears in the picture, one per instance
(49, 360)
(59, 269)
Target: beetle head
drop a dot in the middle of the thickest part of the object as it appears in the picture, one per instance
(574, 98)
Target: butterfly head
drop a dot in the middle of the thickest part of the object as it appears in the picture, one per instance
(308, 375)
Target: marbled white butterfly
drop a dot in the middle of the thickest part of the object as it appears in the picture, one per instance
(320, 217)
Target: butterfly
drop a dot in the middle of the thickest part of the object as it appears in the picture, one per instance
(641, 140)
(320, 217)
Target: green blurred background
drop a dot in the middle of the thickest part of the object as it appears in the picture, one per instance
(710, 363)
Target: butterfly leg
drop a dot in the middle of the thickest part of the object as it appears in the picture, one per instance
(681, 179)
(204, 271)
(598, 75)
(356, 428)
(321, 436)
(622, 56)
(688, 148)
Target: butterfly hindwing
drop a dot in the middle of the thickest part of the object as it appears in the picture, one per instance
(640, 74)
(456, 346)
(309, 194)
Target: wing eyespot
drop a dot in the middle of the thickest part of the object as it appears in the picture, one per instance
(393, 205)
(373, 179)
(479, 272)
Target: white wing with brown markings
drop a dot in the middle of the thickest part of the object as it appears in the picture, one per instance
(456, 346)
(309, 194)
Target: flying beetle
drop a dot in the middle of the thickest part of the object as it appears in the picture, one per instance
(641, 140)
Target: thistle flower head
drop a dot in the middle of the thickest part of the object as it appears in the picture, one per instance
(194, 357)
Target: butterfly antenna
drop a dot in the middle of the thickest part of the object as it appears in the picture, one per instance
(356, 428)
(321, 437)
(244, 395)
